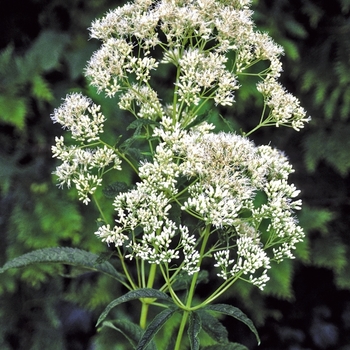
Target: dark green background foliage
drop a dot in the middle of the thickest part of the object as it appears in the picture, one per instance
(43, 50)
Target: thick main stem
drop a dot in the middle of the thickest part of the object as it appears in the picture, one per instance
(146, 301)
(190, 295)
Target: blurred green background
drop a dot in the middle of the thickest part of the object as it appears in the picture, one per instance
(44, 47)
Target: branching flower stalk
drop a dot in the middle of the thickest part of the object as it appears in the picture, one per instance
(204, 200)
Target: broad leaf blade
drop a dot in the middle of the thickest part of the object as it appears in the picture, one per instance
(194, 327)
(156, 324)
(212, 326)
(236, 313)
(64, 255)
(132, 295)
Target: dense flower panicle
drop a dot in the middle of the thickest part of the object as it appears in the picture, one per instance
(198, 34)
(111, 235)
(143, 97)
(238, 193)
(80, 164)
(201, 72)
(81, 117)
(285, 108)
(226, 174)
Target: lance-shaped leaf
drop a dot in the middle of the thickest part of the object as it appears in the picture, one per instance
(65, 255)
(236, 313)
(212, 326)
(131, 331)
(132, 295)
(156, 324)
(194, 327)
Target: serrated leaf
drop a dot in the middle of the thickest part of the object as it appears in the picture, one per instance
(64, 255)
(132, 295)
(229, 346)
(235, 313)
(194, 327)
(329, 252)
(131, 331)
(113, 189)
(41, 89)
(13, 110)
(156, 324)
(280, 283)
(212, 326)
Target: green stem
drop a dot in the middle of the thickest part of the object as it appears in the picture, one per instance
(99, 209)
(222, 289)
(126, 271)
(190, 296)
(181, 330)
(147, 301)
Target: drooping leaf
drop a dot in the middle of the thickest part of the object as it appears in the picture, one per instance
(235, 313)
(64, 255)
(132, 295)
(131, 331)
(212, 326)
(194, 327)
(156, 324)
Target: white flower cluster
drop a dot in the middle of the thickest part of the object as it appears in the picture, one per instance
(239, 193)
(226, 175)
(83, 119)
(285, 108)
(147, 207)
(196, 37)
(231, 173)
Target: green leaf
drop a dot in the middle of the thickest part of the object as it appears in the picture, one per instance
(132, 295)
(13, 110)
(131, 331)
(229, 346)
(183, 280)
(236, 313)
(329, 252)
(280, 283)
(138, 124)
(113, 189)
(212, 326)
(156, 324)
(46, 50)
(64, 255)
(41, 89)
(194, 327)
